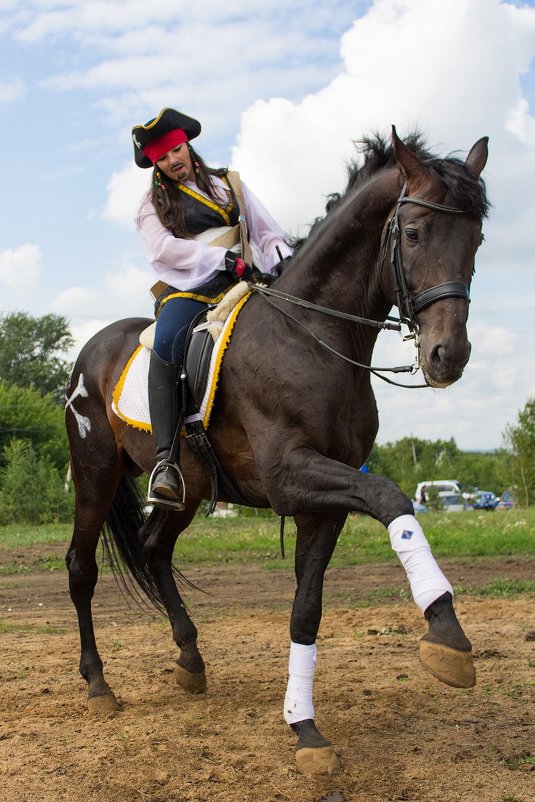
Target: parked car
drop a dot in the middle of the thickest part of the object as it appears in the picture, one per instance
(437, 485)
(484, 500)
(448, 502)
(505, 502)
(452, 502)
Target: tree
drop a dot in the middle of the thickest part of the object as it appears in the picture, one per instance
(521, 441)
(30, 352)
(27, 415)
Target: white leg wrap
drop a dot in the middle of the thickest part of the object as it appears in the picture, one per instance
(298, 703)
(425, 577)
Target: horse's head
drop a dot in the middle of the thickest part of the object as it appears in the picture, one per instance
(432, 239)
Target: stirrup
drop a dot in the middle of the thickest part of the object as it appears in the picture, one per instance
(162, 501)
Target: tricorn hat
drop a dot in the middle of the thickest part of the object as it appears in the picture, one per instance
(167, 120)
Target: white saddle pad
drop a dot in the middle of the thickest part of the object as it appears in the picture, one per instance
(130, 400)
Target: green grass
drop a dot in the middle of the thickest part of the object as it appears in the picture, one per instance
(38, 629)
(363, 540)
(248, 540)
(30, 534)
(504, 588)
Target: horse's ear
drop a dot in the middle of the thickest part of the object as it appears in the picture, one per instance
(408, 163)
(477, 158)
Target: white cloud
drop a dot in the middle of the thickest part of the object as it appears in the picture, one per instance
(20, 269)
(119, 294)
(12, 90)
(126, 189)
(399, 68)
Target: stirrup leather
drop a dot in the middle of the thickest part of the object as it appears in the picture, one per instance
(162, 501)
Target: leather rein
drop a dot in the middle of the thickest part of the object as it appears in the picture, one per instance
(408, 305)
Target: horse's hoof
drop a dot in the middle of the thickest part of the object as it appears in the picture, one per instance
(454, 667)
(102, 705)
(192, 683)
(322, 760)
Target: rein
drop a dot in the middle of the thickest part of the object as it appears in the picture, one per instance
(267, 291)
(408, 306)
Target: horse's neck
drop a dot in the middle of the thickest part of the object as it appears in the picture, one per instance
(339, 264)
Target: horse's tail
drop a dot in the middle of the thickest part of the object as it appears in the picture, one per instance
(124, 533)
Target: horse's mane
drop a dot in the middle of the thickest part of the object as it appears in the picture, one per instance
(465, 190)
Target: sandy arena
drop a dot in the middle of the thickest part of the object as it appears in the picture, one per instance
(399, 733)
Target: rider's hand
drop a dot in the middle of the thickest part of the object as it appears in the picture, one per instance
(265, 279)
(239, 269)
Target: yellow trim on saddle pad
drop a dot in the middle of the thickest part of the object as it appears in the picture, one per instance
(116, 396)
(219, 348)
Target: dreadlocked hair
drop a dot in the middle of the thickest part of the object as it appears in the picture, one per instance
(168, 201)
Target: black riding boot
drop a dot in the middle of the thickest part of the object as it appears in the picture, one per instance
(166, 485)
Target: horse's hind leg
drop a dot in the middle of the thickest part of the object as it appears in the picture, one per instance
(95, 487)
(316, 539)
(159, 536)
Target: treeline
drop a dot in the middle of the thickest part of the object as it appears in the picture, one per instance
(410, 460)
(34, 455)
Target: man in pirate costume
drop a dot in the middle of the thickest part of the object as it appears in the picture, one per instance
(190, 222)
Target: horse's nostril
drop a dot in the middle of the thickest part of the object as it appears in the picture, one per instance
(439, 355)
(447, 361)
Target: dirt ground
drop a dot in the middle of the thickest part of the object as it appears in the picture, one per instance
(400, 734)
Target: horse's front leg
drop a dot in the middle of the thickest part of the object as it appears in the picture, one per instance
(159, 536)
(316, 539)
(312, 481)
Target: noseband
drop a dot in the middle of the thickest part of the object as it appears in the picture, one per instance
(410, 306)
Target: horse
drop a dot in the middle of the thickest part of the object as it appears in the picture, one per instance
(295, 414)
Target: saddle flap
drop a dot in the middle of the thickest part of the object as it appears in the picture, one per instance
(197, 358)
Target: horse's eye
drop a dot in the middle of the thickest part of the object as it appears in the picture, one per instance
(412, 234)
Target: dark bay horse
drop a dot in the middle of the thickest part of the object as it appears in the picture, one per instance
(293, 420)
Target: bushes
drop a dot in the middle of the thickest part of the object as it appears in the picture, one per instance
(31, 488)
(34, 455)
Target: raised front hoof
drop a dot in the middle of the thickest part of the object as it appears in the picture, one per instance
(321, 760)
(192, 683)
(451, 666)
(102, 705)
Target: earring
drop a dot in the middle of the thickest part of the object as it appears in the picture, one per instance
(158, 180)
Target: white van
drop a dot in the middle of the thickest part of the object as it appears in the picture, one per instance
(440, 485)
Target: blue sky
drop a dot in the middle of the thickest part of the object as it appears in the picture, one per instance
(281, 91)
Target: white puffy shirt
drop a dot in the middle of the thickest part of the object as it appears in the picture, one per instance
(189, 263)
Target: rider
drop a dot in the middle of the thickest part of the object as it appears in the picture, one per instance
(189, 222)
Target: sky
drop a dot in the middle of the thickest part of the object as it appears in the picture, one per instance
(283, 91)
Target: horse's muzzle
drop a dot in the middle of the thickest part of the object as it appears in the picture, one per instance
(444, 362)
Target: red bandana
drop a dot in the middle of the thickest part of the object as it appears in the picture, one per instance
(158, 147)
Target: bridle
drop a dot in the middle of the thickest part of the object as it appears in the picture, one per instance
(408, 305)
